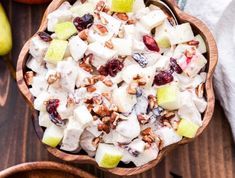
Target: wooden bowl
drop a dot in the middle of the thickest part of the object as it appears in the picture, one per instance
(44, 169)
(198, 27)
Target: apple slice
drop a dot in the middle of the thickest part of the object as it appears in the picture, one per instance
(122, 5)
(65, 30)
(52, 136)
(56, 51)
(108, 156)
(187, 128)
(168, 97)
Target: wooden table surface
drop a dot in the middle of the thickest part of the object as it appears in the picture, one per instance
(212, 155)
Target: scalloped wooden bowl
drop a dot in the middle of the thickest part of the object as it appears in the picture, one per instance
(212, 56)
(44, 169)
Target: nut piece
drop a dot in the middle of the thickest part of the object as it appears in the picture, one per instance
(131, 21)
(100, 6)
(86, 63)
(91, 88)
(109, 44)
(140, 80)
(122, 16)
(28, 76)
(200, 90)
(96, 141)
(100, 29)
(53, 78)
(102, 110)
(83, 34)
(143, 119)
(148, 135)
(104, 127)
(152, 102)
(132, 88)
(169, 115)
(108, 83)
(193, 43)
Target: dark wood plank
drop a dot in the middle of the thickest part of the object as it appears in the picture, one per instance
(211, 155)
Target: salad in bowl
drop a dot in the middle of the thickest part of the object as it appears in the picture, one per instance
(116, 79)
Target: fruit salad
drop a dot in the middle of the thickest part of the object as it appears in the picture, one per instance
(116, 79)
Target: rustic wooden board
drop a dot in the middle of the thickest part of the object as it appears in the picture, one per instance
(211, 155)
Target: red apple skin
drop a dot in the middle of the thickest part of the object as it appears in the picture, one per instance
(33, 1)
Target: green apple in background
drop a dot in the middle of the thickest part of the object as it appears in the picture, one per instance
(56, 51)
(122, 5)
(108, 156)
(65, 30)
(86, 8)
(5, 33)
(52, 136)
(187, 128)
(168, 97)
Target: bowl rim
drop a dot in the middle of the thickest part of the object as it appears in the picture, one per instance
(212, 61)
(47, 165)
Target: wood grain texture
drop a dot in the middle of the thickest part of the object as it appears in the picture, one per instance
(212, 57)
(211, 155)
(44, 169)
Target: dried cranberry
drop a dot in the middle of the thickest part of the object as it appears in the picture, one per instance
(111, 68)
(83, 22)
(141, 59)
(45, 36)
(150, 43)
(163, 78)
(175, 67)
(51, 108)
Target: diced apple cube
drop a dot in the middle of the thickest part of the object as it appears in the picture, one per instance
(58, 16)
(122, 5)
(72, 135)
(39, 84)
(125, 130)
(153, 19)
(168, 97)
(98, 50)
(52, 136)
(187, 128)
(123, 100)
(113, 23)
(122, 46)
(44, 119)
(83, 116)
(131, 71)
(65, 30)
(56, 51)
(202, 45)
(77, 47)
(108, 156)
(168, 136)
(181, 34)
(38, 47)
(82, 9)
(138, 4)
(39, 102)
(36, 66)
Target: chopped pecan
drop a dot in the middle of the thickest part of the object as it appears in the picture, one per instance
(148, 135)
(107, 96)
(70, 102)
(140, 80)
(83, 34)
(106, 120)
(104, 127)
(200, 90)
(146, 131)
(91, 88)
(53, 78)
(132, 88)
(28, 76)
(169, 115)
(100, 6)
(131, 21)
(193, 43)
(96, 141)
(108, 83)
(97, 100)
(109, 44)
(101, 29)
(114, 116)
(152, 102)
(122, 16)
(143, 119)
(102, 110)
(148, 138)
(86, 67)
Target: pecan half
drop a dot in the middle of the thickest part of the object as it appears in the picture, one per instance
(28, 76)
(152, 102)
(102, 110)
(131, 21)
(143, 119)
(193, 43)
(109, 44)
(101, 29)
(53, 78)
(132, 88)
(169, 115)
(91, 88)
(83, 34)
(108, 83)
(122, 16)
